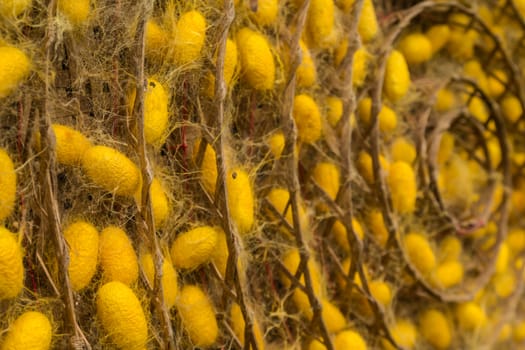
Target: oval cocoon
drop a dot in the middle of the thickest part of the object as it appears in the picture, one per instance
(30, 331)
(194, 247)
(120, 312)
(221, 253)
(404, 333)
(279, 197)
(117, 256)
(435, 329)
(307, 118)
(257, 65)
(70, 144)
(238, 326)
(397, 76)
(155, 113)
(327, 176)
(231, 58)
(403, 188)
(208, 167)
(240, 199)
(14, 68)
(189, 36)
(198, 316)
(7, 185)
(76, 12)
(416, 48)
(306, 72)
(349, 340)
(367, 25)
(321, 23)
(11, 265)
(170, 283)
(82, 240)
(156, 41)
(266, 13)
(420, 252)
(111, 170)
(13, 8)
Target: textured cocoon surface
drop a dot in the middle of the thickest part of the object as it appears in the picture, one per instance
(435, 329)
(349, 340)
(7, 185)
(13, 8)
(238, 326)
(11, 265)
(257, 65)
(156, 41)
(170, 282)
(198, 316)
(117, 257)
(30, 331)
(416, 48)
(208, 167)
(321, 23)
(306, 72)
(71, 145)
(397, 76)
(403, 189)
(266, 13)
(82, 240)
(156, 116)
(307, 118)
(404, 333)
(221, 253)
(231, 58)
(240, 199)
(111, 170)
(279, 197)
(77, 12)
(327, 176)
(420, 252)
(122, 317)
(14, 68)
(367, 25)
(194, 247)
(189, 37)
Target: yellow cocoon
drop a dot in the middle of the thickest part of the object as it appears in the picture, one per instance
(446, 148)
(267, 11)
(307, 119)
(360, 62)
(155, 113)
(397, 76)
(420, 252)
(291, 261)
(387, 117)
(416, 48)
(321, 23)
(111, 170)
(376, 225)
(14, 68)
(327, 176)
(257, 65)
(159, 203)
(496, 82)
(156, 41)
(504, 284)
(240, 199)
(170, 285)
(365, 166)
(438, 36)
(208, 167)
(306, 72)
(518, 332)
(367, 25)
(189, 36)
(435, 329)
(515, 240)
(70, 144)
(220, 254)
(461, 44)
(231, 58)
(450, 249)
(381, 292)
(448, 274)
(445, 100)
(11, 265)
(238, 326)
(276, 144)
(404, 333)
(340, 233)
(403, 150)
(332, 317)
(82, 240)
(30, 331)
(13, 8)
(279, 197)
(194, 247)
(403, 189)
(477, 108)
(316, 345)
(349, 339)
(473, 69)
(7, 185)
(77, 12)
(511, 108)
(502, 261)
(117, 257)
(197, 316)
(122, 317)
(470, 316)
(334, 110)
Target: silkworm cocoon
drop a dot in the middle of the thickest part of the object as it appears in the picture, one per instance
(511, 108)
(445, 100)
(473, 69)
(306, 72)
(156, 40)
(470, 316)
(208, 167)
(446, 148)
(438, 36)
(327, 176)
(461, 44)
(197, 316)
(515, 240)
(267, 11)
(340, 233)
(117, 256)
(14, 68)
(365, 166)
(397, 76)
(231, 58)
(478, 109)
(381, 292)
(169, 278)
(376, 225)
(82, 240)
(7, 185)
(360, 63)
(450, 249)
(156, 118)
(387, 117)
(416, 48)
(307, 119)
(334, 110)
(332, 317)
(502, 261)
(194, 247)
(77, 12)
(504, 284)
(30, 331)
(13, 8)
(403, 150)
(321, 23)
(70, 144)
(316, 345)
(505, 332)
(279, 197)
(238, 326)
(403, 189)
(11, 266)
(404, 333)
(291, 261)
(189, 36)
(496, 82)
(448, 274)
(121, 315)
(257, 64)
(367, 25)
(349, 339)
(221, 253)
(435, 329)
(240, 199)
(518, 332)
(276, 144)
(420, 252)
(159, 202)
